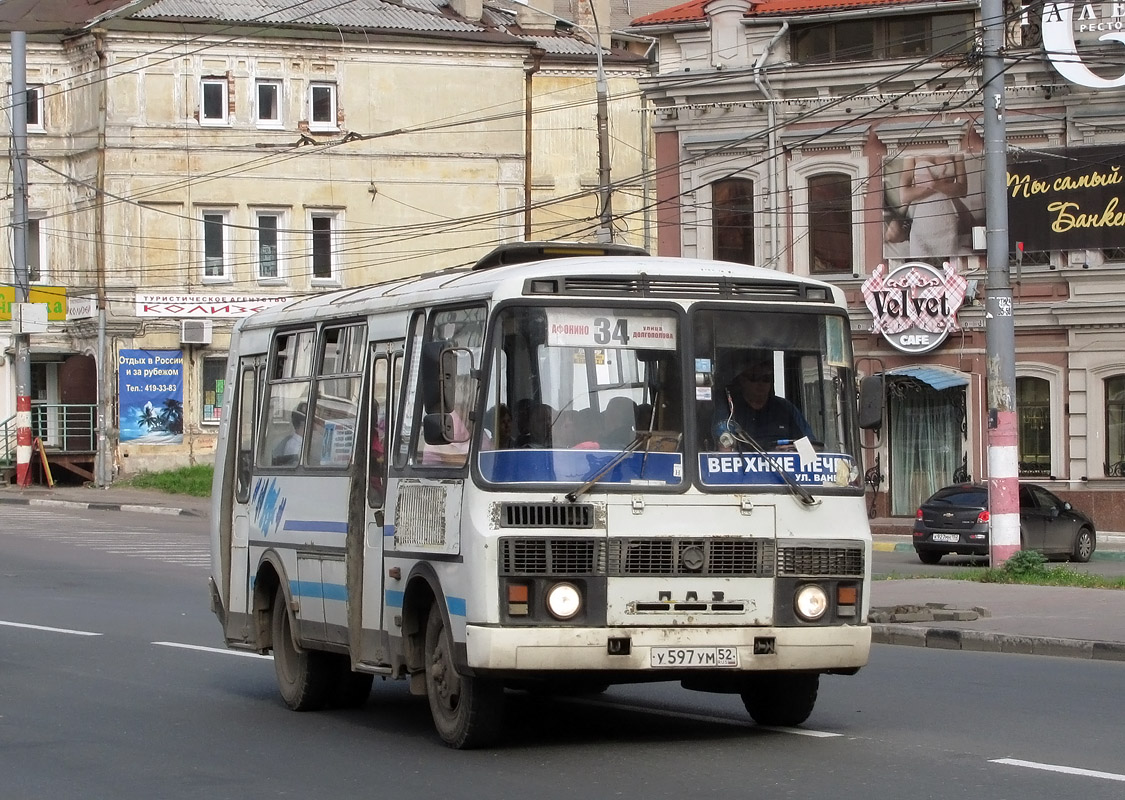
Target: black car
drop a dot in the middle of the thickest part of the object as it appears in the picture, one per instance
(955, 520)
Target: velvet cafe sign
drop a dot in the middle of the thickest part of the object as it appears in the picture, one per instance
(1062, 21)
(914, 305)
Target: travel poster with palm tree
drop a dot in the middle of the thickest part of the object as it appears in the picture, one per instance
(151, 396)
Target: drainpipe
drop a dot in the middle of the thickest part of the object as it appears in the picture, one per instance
(102, 471)
(774, 156)
(536, 58)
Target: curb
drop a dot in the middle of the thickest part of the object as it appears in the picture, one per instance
(94, 506)
(982, 642)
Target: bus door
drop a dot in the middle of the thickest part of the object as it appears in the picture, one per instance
(250, 371)
(384, 370)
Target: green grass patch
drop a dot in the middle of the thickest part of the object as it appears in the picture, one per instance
(1031, 568)
(194, 481)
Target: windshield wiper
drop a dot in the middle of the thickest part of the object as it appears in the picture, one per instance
(737, 434)
(639, 438)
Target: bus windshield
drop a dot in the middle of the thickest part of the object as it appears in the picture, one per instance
(774, 390)
(578, 394)
(571, 388)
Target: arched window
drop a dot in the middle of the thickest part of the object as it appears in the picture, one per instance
(732, 220)
(1033, 407)
(1115, 426)
(830, 223)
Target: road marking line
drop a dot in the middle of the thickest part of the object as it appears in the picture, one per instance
(221, 650)
(49, 630)
(1088, 773)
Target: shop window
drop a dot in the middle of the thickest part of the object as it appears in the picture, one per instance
(1115, 426)
(1033, 404)
(830, 223)
(732, 220)
(214, 384)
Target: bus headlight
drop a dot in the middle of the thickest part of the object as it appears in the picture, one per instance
(564, 600)
(811, 602)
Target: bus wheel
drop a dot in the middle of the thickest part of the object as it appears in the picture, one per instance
(468, 712)
(304, 677)
(783, 699)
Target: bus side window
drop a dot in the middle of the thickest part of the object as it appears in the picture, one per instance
(247, 405)
(377, 430)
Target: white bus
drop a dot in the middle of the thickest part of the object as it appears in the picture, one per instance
(541, 475)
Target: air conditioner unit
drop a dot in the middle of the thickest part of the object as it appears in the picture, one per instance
(195, 331)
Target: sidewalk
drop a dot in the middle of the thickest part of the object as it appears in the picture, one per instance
(920, 612)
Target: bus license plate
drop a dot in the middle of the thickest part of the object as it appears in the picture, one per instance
(947, 537)
(693, 657)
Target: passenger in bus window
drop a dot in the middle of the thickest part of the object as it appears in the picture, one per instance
(539, 422)
(619, 420)
(454, 454)
(498, 436)
(287, 453)
(377, 468)
(749, 407)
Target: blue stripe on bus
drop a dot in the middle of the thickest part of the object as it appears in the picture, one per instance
(456, 605)
(315, 526)
(324, 591)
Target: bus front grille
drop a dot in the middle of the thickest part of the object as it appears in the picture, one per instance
(546, 515)
(519, 556)
(726, 557)
(820, 560)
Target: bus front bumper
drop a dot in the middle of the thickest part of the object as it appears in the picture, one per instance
(843, 648)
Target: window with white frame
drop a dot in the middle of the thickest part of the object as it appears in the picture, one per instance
(213, 105)
(35, 107)
(830, 223)
(268, 226)
(36, 249)
(1115, 426)
(324, 228)
(732, 220)
(216, 245)
(322, 107)
(213, 383)
(267, 103)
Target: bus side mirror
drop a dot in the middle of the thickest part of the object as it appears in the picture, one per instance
(439, 373)
(871, 398)
(438, 429)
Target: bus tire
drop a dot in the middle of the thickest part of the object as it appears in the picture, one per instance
(468, 712)
(305, 677)
(782, 699)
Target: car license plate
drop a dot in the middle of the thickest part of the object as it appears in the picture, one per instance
(947, 537)
(693, 657)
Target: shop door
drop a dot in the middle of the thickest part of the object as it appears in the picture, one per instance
(926, 441)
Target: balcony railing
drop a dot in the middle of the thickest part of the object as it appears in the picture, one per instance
(63, 428)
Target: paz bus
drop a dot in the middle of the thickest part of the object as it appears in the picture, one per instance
(529, 475)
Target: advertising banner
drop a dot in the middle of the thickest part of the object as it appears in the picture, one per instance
(151, 396)
(1067, 199)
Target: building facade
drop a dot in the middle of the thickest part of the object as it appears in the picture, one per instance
(844, 140)
(193, 163)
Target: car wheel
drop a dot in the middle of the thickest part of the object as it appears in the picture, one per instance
(1084, 544)
(468, 712)
(305, 677)
(782, 699)
(929, 556)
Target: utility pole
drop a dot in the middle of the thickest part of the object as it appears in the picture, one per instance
(19, 251)
(605, 191)
(1003, 431)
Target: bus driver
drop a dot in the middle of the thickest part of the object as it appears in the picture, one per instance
(750, 407)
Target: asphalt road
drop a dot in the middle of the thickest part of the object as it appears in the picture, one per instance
(113, 684)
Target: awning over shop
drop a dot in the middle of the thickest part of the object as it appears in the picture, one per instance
(936, 376)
